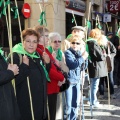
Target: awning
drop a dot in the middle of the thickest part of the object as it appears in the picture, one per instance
(75, 12)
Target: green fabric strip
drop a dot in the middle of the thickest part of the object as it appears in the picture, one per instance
(1, 51)
(18, 48)
(42, 19)
(87, 48)
(58, 53)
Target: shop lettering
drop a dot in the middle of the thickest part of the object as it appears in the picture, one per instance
(76, 5)
(114, 6)
(114, 2)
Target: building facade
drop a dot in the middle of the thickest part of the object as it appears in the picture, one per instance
(59, 15)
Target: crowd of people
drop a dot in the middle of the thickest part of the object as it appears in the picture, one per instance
(39, 64)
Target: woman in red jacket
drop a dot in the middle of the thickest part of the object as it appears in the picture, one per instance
(56, 77)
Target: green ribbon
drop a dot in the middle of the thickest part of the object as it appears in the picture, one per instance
(58, 53)
(4, 9)
(42, 19)
(87, 48)
(98, 26)
(1, 2)
(69, 36)
(73, 19)
(88, 24)
(1, 51)
(18, 48)
(15, 11)
(46, 73)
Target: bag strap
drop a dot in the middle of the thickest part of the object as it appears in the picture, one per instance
(108, 48)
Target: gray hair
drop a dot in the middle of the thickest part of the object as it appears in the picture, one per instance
(54, 34)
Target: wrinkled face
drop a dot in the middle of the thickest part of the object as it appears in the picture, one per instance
(30, 43)
(56, 43)
(75, 45)
(43, 40)
(79, 33)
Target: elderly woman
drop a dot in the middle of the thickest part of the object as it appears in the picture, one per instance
(31, 69)
(96, 65)
(54, 48)
(55, 75)
(75, 61)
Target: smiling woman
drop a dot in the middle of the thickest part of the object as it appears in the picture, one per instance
(31, 67)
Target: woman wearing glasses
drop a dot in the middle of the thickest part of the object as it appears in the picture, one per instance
(31, 68)
(74, 61)
(58, 55)
(54, 75)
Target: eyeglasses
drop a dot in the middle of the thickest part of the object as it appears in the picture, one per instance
(75, 43)
(57, 41)
(45, 36)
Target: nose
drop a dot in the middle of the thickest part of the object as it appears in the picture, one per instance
(31, 43)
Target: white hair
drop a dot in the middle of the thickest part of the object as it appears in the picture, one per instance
(54, 34)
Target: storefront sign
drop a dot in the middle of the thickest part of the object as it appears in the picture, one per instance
(107, 18)
(26, 10)
(114, 6)
(76, 5)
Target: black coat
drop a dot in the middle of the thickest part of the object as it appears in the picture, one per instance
(8, 104)
(97, 66)
(116, 42)
(37, 81)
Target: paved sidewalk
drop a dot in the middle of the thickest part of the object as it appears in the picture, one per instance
(106, 112)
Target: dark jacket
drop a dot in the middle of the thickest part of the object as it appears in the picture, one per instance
(116, 42)
(37, 80)
(97, 66)
(54, 74)
(74, 61)
(8, 104)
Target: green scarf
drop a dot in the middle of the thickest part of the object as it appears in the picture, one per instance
(18, 48)
(87, 49)
(1, 51)
(58, 53)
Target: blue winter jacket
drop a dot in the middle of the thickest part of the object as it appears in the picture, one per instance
(76, 64)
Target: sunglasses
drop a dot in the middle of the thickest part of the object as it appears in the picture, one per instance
(57, 41)
(75, 43)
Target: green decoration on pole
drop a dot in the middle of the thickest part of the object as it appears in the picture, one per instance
(14, 10)
(1, 2)
(42, 19)
(88, 24)
(73, 20)
(4, 9)
(99, 26)
(1, 51)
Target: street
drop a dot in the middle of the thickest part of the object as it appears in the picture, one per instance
(107, 112)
